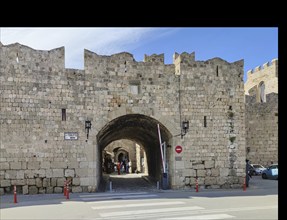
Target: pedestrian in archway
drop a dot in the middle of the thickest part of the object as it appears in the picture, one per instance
(127, 166)
(130, 167)
(119, 167)
(124, 165)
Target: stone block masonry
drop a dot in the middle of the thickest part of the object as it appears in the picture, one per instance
(261, 89)
(41, 100)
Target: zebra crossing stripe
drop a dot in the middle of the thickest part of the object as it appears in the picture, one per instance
(138, 205)
(149, 211)
(110, 194)
(180, 213)
(120, 197)
(200, 217)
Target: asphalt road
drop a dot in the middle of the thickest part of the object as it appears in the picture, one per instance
(259, 201)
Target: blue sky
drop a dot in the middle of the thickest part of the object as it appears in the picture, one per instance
(255, 45)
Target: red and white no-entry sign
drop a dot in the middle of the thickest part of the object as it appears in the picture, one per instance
(178, 149)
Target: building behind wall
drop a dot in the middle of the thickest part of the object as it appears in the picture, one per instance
(131, 151)
(42, 102)
(261, 90)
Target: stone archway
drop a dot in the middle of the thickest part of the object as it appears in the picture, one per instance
(142, 130)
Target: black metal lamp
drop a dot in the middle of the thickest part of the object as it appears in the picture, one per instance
(184, 127)
(88, 126)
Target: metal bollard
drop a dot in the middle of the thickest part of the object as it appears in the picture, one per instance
(15, 194)
(111, 186)
(244, 184)
(196, 187)
(68, 193)
(65, 188)
(157, 184)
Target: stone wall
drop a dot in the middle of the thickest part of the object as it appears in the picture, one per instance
(214, 147)
(41, 100)
(35, 87)
(267, 73)
(262, 117)
(262, 130)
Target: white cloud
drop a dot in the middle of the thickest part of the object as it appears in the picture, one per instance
(104, 41)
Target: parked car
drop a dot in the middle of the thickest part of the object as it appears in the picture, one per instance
(271, 172)
(256, 169)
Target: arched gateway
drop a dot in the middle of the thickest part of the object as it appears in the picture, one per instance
(57, 123)
(144, 131)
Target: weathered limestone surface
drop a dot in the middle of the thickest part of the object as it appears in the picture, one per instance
(267, 73)
(41, 100)
(262, 114)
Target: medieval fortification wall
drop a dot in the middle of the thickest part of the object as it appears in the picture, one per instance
(41, 100)
(262, 114)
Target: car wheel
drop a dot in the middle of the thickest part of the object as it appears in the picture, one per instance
(264, 176)
(254, 173)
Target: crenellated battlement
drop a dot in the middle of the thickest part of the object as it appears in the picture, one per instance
(53, 59)
(266, 75)
(271, 64)
(184, 58)
(154, 58)
(36, 59)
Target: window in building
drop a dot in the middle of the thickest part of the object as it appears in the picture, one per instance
(262, 92)
(204, 121)
(125, 66)
(63, 114)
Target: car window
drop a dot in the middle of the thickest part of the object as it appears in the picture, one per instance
(274, 167)
(257, 166)
(274, 171)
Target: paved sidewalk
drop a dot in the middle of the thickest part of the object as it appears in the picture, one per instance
(257, 185)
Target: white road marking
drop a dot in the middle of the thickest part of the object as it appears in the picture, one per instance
(111, 194)
(176, 213)
(138, 205)
(201, 217)
(149, 211)
(120, 197)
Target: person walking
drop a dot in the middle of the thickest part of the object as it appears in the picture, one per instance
(248, 174)
(119, 167)
(127, 166)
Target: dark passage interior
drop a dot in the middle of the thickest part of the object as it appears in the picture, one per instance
(144, 131)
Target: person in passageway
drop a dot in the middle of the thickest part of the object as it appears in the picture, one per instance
(119, 167)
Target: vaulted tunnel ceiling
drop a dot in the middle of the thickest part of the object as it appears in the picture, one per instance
(139, 128)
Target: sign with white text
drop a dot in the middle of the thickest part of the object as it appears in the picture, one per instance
(71, 135)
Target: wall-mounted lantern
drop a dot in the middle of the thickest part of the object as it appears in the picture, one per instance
(184, 127)
(88, 126)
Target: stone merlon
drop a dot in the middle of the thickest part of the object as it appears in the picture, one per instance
(24, 55)
(272, 64)
(154, 58)
(55, 58)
